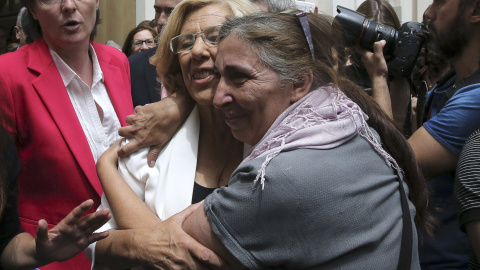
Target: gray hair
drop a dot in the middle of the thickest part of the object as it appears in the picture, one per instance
(282, 46)
(19, 17)
(276, 5)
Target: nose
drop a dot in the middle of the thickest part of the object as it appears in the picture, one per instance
(222, 97)
(429, 13)
(144, 46)
(162, 19)
(199, 49)
(68, 5)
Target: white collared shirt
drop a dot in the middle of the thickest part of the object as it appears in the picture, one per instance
(90, 105)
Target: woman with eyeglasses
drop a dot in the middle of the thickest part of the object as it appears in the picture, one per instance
(329, 182)
(202, 154)
(64, 98)
(141, 38)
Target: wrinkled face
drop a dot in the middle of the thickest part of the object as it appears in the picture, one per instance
(66, 24)
(139, 46)
(197, 64)
(248, 93)
(163, 8)
(448, 27)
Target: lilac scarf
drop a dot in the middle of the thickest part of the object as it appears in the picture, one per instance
(325, 118)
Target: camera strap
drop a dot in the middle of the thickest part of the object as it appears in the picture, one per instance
(473, 78)
(406, 245)
(469, 80)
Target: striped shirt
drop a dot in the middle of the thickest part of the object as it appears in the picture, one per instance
(467, 186)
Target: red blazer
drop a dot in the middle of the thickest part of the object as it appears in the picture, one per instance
(58, 169)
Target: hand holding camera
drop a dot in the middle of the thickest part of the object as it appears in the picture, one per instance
(401, 48)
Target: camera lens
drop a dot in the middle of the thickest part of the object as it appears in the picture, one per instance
(374, 32)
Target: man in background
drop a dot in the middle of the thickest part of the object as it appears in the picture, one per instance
(145, 87)
(452, 114)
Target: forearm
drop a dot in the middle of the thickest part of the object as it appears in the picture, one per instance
(120, 250)
(127, 208)
(20, 253)
(381, 94)
(400, 97)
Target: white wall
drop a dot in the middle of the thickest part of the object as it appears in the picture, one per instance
(145, 10)
(407, 10)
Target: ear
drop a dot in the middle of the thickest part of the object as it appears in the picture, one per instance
(17, 31)
(302, 89)
(475, 16)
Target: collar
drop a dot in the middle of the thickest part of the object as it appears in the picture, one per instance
(68, 74)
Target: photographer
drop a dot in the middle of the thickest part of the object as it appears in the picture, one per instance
(452, 113)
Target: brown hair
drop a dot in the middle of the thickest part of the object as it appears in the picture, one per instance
(127, 45)
(165, 60)
(380, 11)
(282, 46)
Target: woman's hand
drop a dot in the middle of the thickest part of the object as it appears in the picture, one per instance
(170, 247)
(71, 235)
(109, 158)
(155, 124)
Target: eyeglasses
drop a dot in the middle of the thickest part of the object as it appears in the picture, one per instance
(151, 42)
(52, 2)
(185, 42)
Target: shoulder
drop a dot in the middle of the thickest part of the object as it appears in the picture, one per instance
(467, 181)
(105, 53)
(142, 57)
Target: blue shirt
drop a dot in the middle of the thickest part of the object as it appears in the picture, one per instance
(451, 126)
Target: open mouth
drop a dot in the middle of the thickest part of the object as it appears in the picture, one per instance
(203, 74)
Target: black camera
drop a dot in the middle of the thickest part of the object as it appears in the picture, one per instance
(402, 47)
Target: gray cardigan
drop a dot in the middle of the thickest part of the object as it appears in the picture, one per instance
(320, 209)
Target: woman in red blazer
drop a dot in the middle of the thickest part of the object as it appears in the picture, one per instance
(57, 164)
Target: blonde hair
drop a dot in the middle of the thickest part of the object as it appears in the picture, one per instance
(166, 62)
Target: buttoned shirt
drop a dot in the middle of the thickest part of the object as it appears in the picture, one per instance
(93, 106)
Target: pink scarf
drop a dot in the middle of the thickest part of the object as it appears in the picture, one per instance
(325, 118)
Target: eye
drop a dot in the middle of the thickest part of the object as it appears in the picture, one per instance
(239, 78)
(186, 45)
(168, 11)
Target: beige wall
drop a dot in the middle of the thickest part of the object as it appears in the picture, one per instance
(118, 18)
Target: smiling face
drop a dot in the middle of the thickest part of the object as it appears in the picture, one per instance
(142, 35)
(67, 24)
(197, 64)
(249, 94)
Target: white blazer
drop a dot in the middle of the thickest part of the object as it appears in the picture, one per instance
(166, 188)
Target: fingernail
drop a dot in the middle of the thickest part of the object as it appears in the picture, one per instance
(152, 163)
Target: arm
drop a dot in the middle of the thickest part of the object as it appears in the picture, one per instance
(164, 246)
(127, 208)
(433, 158)
(377, 70)
(155, 124)
(197, 226)
(71, 236)
(473, 232)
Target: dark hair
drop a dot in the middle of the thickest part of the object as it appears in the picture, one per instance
(282, 46)
(380, 11)
(127, 45)
(32, 27)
